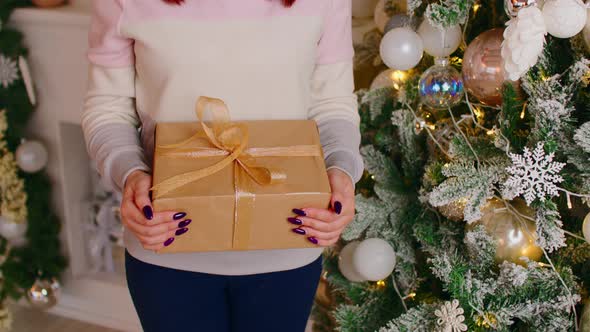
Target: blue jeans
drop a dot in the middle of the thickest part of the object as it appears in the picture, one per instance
(169, 300)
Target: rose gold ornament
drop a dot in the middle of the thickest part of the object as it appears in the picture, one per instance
(48, 3)
(483, 73)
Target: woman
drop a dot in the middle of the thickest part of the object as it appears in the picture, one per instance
(267, 59)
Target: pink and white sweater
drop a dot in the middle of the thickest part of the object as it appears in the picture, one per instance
(150, 61)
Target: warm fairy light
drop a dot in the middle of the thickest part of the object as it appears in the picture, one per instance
(544, 265)
(486, 321)
(476, 8)
(523, 113)
(456, 61)
(381, 284)
(410, 296)
(373, 177)
(398, 77)
(478, 113)
(490, 132)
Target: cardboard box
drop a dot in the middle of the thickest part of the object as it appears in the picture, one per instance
(262, 214)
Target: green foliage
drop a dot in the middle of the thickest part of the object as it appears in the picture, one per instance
(41, 256)
(514, 118)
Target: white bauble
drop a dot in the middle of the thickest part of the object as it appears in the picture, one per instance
(345, 263)
(437, 42)
(564, 18)
(12, 231)
(401, 49)
(586, 228)
(31, 156)
(363, 8)
(374, 259)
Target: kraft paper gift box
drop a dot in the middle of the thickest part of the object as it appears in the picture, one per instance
(243, 203)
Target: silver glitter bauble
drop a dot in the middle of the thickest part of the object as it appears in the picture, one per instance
(43, 294)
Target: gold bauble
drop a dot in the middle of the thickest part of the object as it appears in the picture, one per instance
(585, 318)
(43, 294)
(514, 235)
(454, 210)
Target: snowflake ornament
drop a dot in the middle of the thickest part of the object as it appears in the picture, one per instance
(450, 317)
(533, 174)
(8, 71)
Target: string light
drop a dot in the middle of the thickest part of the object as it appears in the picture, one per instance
(476, 7)
(486, 320)
(398, 77)
(410, 296)
(380, 284)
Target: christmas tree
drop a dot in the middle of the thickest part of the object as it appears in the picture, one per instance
(30, 252)
(472, 214)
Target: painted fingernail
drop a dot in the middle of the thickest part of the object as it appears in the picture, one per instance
(312, 240)
(299, 231)
(295, 221)
(184, 223)
(147, 212)
(299, 212)
(181, 231)
(179, 215)
(168, 242)
(337, 207)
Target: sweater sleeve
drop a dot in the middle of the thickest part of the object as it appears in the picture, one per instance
(333, 102)
(109, 120)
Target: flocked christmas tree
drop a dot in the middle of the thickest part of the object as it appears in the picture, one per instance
(472, 214)
(30, 252)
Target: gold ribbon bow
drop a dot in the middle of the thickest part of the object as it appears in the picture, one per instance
(230, 140)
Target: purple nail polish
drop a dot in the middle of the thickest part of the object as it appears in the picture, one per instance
(312, 240)
(295, 221)
(147, 212)
(299, 212)
(168, 242)
(184, 223)
(299, 231)
(181, 231)
(337, 207)
(179, 215)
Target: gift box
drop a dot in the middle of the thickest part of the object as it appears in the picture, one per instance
(238, 181)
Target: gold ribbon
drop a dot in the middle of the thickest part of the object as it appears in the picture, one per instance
(229, 140)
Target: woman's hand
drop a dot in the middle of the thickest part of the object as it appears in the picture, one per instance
(154, 230)
(324, 226)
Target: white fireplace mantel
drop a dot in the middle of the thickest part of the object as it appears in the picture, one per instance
(57, 42)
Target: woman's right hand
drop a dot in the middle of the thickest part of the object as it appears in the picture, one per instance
(154, 230)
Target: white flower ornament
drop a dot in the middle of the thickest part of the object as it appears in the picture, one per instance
(450, 317)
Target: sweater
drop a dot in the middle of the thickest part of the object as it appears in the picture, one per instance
(150, 61)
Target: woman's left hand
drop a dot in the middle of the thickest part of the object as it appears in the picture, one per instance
(324, 226)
